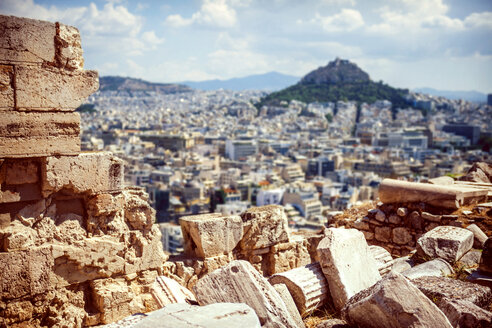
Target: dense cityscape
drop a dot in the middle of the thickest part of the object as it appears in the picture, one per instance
(214, 151)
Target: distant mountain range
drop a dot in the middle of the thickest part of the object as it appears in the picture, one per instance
(271, 81)
(474, 96)
(118, 83)
(339, 80)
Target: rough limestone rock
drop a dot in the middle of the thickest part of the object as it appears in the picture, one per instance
(393, 302)
(264, 226)
(440, 287)
(479, 236)
(168, 291)
(210, 235)
(284, 293)
(334, 323)
(446, 242)
(307, 285)
(87, 172)
(219, 315)
(383, 259)
(239, 282)
(464, 314)
(71, 88)
(401, 264)
(33, 134)
(471, 258)
(286, 256)
(435, 268)
(486, 260)
(347, 264)
(479, 172)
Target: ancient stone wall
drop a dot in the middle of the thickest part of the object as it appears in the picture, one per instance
(76, 248)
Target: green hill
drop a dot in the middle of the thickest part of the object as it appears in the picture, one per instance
(339, 80)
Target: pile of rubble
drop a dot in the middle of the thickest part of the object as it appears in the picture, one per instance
(76, 247)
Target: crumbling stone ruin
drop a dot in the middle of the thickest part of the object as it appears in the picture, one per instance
(78, 249)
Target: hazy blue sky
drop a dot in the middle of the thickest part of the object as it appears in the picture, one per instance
(445, 44)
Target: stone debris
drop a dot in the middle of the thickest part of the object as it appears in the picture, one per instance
(307, 285)
(393, 302)
(239, 282)
(435, 268)
(479, 236)
(452, 196)
(264, 227)
(486, 259)
(464, 314)
(440, 287)
(402, 264)
(347, 264)
(446, 242)
(218, 315)
(168, 291)
(479, 172)
(284, 293)
(383, 259)
(334, 323)
(471, 258)
(211, 235)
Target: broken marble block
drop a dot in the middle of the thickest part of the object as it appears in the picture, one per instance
(284, 293)
(218, 315)
(446, 242)
(168, 291)
(393, 302)
(307, 285)
(264, 226)
(210, 235)
(435, 268)
(464, 314)
(239, 282)
(86, 172)
(479, 236)
(383, 259)
(34, 134)
(347, 263)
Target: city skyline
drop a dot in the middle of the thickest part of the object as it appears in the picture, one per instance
(440, 44)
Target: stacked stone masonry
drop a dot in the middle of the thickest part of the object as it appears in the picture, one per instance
(76, 248)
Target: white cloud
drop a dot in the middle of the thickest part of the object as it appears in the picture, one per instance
(478, 20)
(339, 2)
(213, 13)
(150, 38)
(345, 21)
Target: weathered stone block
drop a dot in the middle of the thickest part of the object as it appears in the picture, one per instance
(168, 291)
(465, 314)
(52, 89)
(383, 234)
(26, 40)
(446, 242)
(401, 236)
(486, 259)
(347, 263)
(69, 47)
(440, 287)
(284, 293)
(239, 282)
(436, 268)
(287, 256)
(21, 171)
(264, 226)
(84, 173)
(25, 273)
(393, 302)
(220, 315)
(383, 259)
(20, 193)
(38, 134)
(6, 87)
(210, 235)
(479, 236)
(307, 285)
